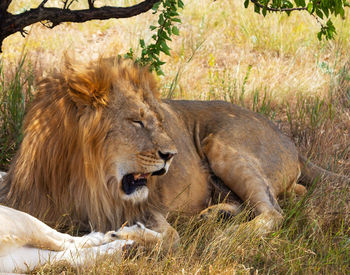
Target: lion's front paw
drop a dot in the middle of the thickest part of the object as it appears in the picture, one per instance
(94, 239)
(138, 233)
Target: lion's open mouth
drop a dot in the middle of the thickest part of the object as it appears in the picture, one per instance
(131, 182)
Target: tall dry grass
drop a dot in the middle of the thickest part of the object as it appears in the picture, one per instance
(273, 65)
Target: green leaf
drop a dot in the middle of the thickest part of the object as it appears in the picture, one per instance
(256, 9)
(161, 19)
(264, 11)
(164, 48)
(164, 36)
(142, 43)
(246, 3)
(180, 4)
(310, 7)
(325, 11)
(300, 3)
(175, 30)
(156, 6)
(319, 13)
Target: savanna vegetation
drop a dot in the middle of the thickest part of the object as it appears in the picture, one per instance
(274, 65)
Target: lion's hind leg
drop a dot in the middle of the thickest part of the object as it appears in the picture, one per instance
(242, 175)
(27, 258)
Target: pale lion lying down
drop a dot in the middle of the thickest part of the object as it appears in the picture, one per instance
(26, 242)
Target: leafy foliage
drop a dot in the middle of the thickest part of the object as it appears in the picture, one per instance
(322, 10)
(163, 31)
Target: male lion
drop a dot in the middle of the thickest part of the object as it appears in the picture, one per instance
(100, 148)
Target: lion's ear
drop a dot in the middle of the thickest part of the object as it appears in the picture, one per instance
(88, 85)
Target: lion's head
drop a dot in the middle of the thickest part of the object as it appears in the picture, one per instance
(93, 138)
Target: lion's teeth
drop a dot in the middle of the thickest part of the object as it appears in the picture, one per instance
(140, 176)
(136, 176)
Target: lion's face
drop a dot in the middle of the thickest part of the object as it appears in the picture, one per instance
(135, 146)
(136, 142)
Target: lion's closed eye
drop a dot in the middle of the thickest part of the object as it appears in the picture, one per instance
(138, 123)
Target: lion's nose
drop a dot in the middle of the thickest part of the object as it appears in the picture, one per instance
(166, 155)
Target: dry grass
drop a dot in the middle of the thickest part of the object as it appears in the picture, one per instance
(273, 65)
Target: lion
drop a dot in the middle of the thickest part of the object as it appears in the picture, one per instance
(102, 149)
(26, 243)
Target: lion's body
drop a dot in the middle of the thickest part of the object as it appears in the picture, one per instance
(97, 135)
(228, 137)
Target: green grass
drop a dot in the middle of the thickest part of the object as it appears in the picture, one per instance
(15, 93)
(274, 66)
(303, 245)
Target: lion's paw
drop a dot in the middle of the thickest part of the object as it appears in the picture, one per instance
(94, 239)
(138, 232)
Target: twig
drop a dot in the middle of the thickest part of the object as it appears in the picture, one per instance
(42, 4)
(91, 4)
(318, 20)
(71, 2)
(23, 32)
(255, 2)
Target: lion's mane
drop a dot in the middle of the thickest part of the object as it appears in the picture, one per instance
(59, 172)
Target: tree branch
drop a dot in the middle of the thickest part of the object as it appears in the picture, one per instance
(4, 4)
(255, 2)
(11, 23)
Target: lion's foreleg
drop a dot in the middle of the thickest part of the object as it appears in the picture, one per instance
(170, 237)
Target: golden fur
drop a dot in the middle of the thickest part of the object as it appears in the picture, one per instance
(94, 129)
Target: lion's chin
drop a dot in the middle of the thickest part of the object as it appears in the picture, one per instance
(134, 187)
(138, 196)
